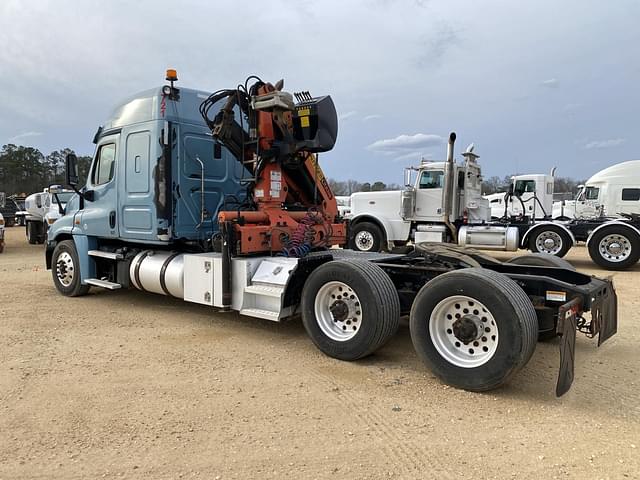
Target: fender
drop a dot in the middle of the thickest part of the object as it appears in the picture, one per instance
(537, 226)
(613, 222)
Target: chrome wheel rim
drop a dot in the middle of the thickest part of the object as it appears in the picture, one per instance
(65, 270)
(364, 241)
(615, 247)
(463, 331)
(549, 242)
(338, 311)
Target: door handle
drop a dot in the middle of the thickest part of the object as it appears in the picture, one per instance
(112, 219)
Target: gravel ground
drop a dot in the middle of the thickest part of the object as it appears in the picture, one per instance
(131, 385)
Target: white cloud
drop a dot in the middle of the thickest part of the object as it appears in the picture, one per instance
(550, 83)
(347, 115)
(374, 116)
(403, 144)
(612, 142)
(20, 136)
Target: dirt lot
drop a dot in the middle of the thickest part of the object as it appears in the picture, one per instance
(130, 385)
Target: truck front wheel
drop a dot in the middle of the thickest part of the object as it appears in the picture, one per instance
(474, 328)
(615, 248)
(367, 237)
(65, 270)
(350, 309)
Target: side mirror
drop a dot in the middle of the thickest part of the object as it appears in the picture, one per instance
(71, 170)
(38, 201)
(510, 191)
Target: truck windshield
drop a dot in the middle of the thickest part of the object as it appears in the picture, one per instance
(64, 197)
(431, 179)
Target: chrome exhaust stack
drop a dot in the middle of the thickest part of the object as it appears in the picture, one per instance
(448, 186)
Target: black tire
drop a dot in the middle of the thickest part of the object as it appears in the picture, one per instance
(541, 260)
(32, 233)
(626, 237)
(558, 233)
(367, 237)
(376, 296)
(508, 306)
(60, 270)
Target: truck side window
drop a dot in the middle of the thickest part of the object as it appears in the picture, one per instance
(631, 194)
(431, 179)
(104, 168)
(591, 193)
(524, 186)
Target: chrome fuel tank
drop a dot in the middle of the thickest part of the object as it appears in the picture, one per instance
(158, 272)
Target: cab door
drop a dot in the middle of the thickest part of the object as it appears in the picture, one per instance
(429, 195)
(99, 217)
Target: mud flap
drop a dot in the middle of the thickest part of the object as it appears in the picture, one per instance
(604, 314)
(567, 325)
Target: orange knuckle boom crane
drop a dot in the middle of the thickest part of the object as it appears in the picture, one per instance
(291, 207)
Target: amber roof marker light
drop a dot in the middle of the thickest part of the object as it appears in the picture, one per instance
(172, 76)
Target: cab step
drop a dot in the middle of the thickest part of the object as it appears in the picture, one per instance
(96, 282)
(260, 313)
(103, 254)
(265, 290)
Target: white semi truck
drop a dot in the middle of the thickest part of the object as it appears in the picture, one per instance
(43, 209)
(612, 191)
(533, 196)
(442, 203)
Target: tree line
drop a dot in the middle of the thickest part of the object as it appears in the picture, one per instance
(25, 170)
(347, 187)
(490, 185)
(560, 185)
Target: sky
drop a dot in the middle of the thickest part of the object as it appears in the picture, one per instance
(534, 85)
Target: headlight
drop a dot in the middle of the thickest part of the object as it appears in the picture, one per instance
(1, 221)
(51, 221)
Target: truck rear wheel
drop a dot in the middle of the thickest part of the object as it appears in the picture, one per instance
(550, 239)
(350, 309)
(615, 247)
(65, 270)
(474, 328)
(367, 237)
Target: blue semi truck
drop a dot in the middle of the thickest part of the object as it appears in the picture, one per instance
(149, 218)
